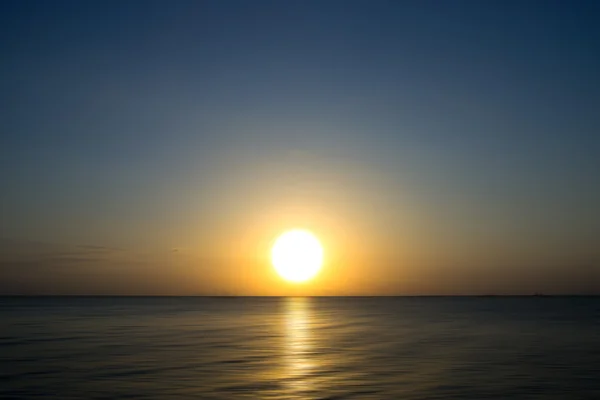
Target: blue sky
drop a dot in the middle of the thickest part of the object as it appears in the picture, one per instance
(466, 130)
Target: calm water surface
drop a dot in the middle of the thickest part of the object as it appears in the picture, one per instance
(300, 348)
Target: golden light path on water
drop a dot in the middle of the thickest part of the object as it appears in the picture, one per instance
(298, 345)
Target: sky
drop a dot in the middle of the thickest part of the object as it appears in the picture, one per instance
(159, 147)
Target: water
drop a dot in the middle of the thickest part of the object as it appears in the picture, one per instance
(300, 348)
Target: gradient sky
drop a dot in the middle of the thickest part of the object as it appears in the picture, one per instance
(435, 147)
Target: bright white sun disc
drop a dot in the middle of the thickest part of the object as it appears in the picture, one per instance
(297, 255)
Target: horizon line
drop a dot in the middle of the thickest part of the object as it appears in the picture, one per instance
(315, 296)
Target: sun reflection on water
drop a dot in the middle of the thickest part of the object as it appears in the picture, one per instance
(298, 343)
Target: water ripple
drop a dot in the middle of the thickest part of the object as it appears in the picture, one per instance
(315, 348)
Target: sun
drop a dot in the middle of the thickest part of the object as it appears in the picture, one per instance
(297, 255)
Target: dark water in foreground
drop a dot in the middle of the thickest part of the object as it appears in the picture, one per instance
(300, 348)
